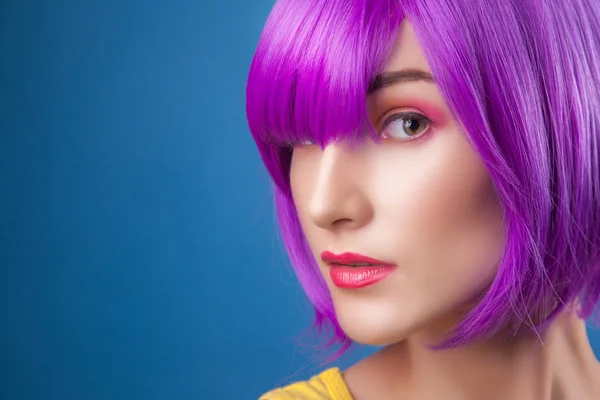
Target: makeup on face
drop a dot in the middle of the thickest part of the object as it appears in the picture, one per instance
(355, 271)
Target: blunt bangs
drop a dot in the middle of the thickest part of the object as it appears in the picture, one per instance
(311, 71)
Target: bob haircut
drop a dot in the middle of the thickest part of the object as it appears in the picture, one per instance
(522, 79)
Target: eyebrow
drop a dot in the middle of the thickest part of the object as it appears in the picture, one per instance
(386, 79)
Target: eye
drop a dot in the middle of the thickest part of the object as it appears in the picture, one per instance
(301, 143)
(405, 125)
(290, 145)
(305, 142)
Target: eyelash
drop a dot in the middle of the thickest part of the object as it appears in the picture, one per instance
(403, 116)
(407, 116)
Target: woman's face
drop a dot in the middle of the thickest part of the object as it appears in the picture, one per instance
(421, 200)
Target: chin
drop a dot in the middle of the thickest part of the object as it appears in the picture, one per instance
(380, 339)
(375, 328)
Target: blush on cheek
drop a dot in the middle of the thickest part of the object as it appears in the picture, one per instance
(451, 224)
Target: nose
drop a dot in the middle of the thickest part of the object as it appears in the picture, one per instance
(339, 199)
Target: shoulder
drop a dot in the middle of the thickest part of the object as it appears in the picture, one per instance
(328, 385)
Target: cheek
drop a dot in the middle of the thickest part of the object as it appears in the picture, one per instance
(303, 173)
(448, 219)
(303, 176)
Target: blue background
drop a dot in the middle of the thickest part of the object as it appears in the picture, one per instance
(139, 256)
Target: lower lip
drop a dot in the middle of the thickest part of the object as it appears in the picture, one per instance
(358, 277)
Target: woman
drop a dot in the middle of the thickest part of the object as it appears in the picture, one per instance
(437, 180)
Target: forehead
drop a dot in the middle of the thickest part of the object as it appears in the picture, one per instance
(406, 51)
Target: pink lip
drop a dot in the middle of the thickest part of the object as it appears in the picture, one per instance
(345, 276)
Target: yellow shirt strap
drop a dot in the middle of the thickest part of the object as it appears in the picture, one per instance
(335, 383)
(328, 385)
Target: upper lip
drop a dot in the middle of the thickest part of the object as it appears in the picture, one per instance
(351, 259)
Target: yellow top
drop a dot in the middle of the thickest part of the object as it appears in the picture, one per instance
(328, 385)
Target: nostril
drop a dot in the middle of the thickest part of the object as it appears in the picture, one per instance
(342, 222)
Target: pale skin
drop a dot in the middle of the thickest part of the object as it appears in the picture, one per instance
(423, 200)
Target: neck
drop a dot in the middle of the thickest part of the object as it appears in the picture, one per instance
(561, 366)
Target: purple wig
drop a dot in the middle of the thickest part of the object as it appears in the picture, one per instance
(521, 77)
